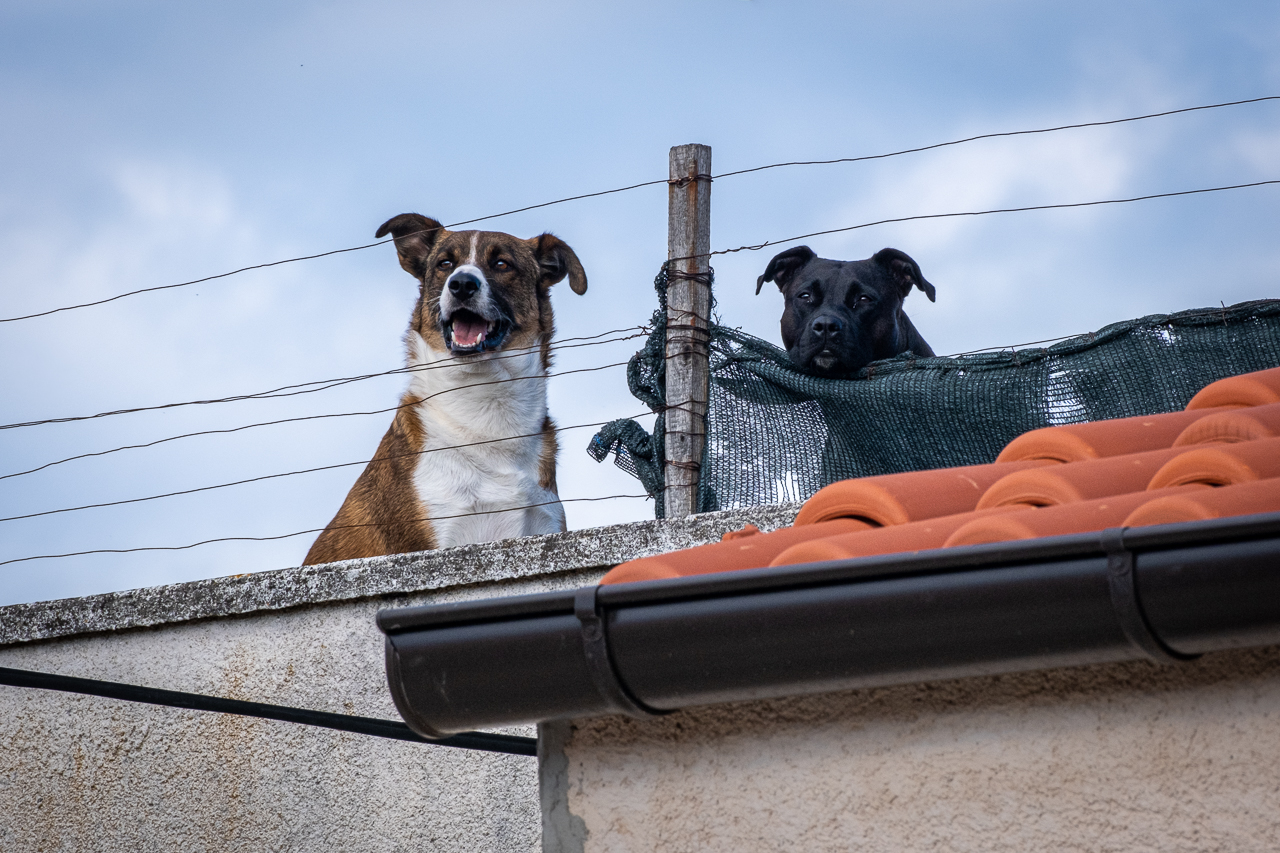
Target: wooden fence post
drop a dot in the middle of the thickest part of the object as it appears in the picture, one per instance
(688, 317)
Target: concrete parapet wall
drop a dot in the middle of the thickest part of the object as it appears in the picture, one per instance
(1119, 757)
(79, 773)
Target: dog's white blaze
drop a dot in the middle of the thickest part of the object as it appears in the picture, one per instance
(475, 242)
(458, 481)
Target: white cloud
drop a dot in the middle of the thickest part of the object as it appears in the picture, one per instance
(1261, 150)
(1025, 171)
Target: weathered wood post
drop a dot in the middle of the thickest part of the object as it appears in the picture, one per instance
(688, 317)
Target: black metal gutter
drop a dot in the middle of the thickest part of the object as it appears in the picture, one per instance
(1167, 593)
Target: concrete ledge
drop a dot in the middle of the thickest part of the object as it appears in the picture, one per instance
(237, 595)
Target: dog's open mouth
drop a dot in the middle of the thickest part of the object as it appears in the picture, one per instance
(468, 332)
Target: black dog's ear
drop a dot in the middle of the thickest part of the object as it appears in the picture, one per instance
(784, 265)
(415, 235)
(905, 272)
(555, 261)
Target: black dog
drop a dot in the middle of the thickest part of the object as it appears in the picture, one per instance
(842, 315)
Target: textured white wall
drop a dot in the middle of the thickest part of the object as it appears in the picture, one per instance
(79, 773)
(83, 773)
(1124, 757)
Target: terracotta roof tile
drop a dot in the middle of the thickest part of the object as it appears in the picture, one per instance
(1077, 517)
(911, 496)
(736, 551)
(1203, 504)
(901, 538)
(1221, 464)
(1099, 439)
(1217, 459)
(1078, 481)
(1248, 389)
(1232, 425)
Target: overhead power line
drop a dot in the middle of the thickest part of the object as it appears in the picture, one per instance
(635, 186)
(1054, 129)
(305, 532)
(758, 246)
(326, 384)
(340, 464)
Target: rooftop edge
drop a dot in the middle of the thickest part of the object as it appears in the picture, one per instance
(398, 574)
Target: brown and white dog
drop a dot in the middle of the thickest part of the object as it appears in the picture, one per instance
(471, 453)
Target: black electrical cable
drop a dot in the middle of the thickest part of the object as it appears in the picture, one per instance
(276, 422)
(937, 145)
(325, 467)
(304, 532)
(274, 393)
(649, 184)
(393, 729)
(758, 246)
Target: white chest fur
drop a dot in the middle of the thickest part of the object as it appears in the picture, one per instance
(483, 419)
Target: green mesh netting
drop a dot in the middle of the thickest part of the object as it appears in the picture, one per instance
(775, 434)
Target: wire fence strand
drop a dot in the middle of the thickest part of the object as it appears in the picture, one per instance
(305, 532)
(326, 384)
(410, 404)
(1007, 133)
(758, 246)
(642, 184)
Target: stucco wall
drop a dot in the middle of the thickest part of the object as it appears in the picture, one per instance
(78, 773)
(1124, 757)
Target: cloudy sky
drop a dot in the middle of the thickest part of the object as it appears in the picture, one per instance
(148, 143)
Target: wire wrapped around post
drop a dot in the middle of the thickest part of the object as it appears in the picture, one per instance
(688, 318)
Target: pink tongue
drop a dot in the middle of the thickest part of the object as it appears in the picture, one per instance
(468, 333)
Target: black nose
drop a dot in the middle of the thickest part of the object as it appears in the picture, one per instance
(463, 286)
(827, 326)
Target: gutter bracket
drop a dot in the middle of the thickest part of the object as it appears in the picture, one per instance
(595, 647)
(1124, 599)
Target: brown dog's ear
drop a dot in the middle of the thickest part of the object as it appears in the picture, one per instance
(415, 235)
(556, 260)
(784, 266)
(905, 272)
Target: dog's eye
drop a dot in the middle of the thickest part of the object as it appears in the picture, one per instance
(501, 264)
(445, 265)
(804, 295)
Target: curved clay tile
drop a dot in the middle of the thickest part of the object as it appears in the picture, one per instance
(1221, 465)
(1232, 426)
(902, 538)
(735, 551)
(1248, 389)
(1055, 520)
(1078, 481)
(1099, 439)
(1242, 499)
(912, 496)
